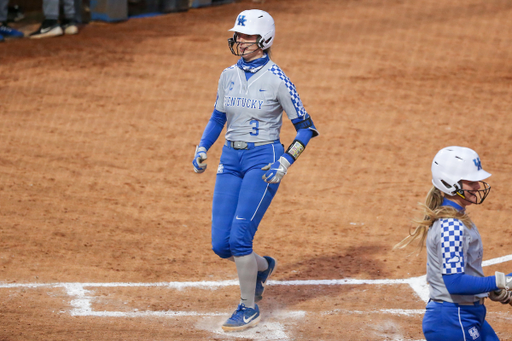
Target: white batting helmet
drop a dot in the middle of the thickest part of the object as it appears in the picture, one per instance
(256, 22)
(453, 164)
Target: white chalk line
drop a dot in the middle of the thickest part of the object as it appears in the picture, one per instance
(82, 306)
(220, 284)
(207, 284)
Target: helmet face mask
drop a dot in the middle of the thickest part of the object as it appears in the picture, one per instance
(474, 196)
(454, 164)
(235, 46)
(253, 22)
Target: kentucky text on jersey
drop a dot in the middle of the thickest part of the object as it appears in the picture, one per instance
(242, 102)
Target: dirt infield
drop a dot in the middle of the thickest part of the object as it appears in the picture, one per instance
(104, 226)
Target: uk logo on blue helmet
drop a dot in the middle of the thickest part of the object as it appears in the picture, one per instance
(241, 20)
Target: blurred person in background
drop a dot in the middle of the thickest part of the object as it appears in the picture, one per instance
(5, 30)
(51, 26)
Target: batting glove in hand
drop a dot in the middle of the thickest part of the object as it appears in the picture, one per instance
(275, 171)
(502, 281)
(501, 295)
(199, 162)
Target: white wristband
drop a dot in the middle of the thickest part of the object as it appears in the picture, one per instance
(502, 281)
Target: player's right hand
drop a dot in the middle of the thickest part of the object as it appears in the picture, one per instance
(501, 295)
(199, 161)
(502, 281)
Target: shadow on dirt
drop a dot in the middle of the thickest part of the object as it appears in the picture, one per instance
(356, 263)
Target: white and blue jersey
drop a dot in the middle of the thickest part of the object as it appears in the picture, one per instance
(452, 248)
(254, 106)
(456, 282)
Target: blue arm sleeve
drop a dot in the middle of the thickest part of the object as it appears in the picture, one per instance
(305, 122)
(213, 129)
(462, 284)
(304, 134)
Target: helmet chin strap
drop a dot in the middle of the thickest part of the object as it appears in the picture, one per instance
(460, 193)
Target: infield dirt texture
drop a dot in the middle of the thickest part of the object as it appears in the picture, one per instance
(102, 216)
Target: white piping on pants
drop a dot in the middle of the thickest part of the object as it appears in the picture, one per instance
(461, 326)
(266, 189)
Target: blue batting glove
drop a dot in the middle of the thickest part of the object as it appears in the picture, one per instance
(199, 162)
(275, 171)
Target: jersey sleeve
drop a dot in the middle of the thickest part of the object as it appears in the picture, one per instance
(219, 102)
(452, 233)
(288, 96)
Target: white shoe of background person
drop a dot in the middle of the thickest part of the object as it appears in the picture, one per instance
(69, 26)
(49, 28)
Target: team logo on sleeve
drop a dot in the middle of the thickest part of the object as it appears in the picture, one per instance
(220, 169)
(452, 238)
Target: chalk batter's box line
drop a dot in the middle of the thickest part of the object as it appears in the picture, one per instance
(82, 302)
(203, 284)
(218, 284)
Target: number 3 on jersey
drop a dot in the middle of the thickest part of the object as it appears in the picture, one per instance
(255, 127)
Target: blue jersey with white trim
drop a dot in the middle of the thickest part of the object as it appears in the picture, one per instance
(254, 107)
(452, 248)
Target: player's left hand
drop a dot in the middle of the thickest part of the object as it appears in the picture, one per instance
(275, 171)
(199, 161)
(501, 295)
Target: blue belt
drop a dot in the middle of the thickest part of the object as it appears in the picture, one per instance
(247, 145)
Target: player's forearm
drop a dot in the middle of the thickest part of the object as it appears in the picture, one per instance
(462, 284)
(301, 140)
(305, 131)
(213, 129)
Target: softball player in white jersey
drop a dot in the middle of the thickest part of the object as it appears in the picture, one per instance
(251, 97)
(457, 284)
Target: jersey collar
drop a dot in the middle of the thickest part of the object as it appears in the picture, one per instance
(253, 66)
(453, 204)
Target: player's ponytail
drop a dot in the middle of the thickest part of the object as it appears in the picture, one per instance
(432, 210)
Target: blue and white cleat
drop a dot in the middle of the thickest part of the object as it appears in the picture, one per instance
(9, 32)
(243, 318)
(262, 278)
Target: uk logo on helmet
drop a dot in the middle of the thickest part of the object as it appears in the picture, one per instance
(478, 164)
(241, 20)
